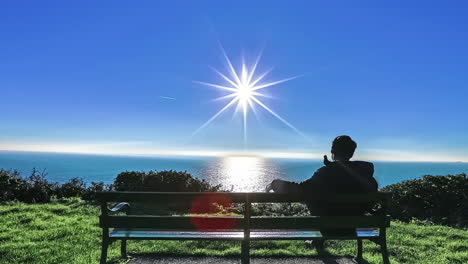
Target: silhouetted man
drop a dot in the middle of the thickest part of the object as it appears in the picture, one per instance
(341, 176)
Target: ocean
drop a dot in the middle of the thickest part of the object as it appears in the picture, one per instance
(236, 173)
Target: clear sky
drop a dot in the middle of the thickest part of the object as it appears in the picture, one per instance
(118, 76)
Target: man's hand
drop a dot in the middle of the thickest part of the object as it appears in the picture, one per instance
(326, 162)
(273, 186)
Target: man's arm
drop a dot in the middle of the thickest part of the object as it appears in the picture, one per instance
(280, 186)
(373, 185)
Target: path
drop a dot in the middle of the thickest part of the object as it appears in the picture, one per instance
(211, 260)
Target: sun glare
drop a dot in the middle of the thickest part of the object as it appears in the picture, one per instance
(241, 173)
(244, 94)
(243, 91)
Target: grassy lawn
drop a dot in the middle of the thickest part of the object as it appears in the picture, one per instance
(67, 232)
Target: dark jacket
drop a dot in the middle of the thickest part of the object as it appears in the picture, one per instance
(336, 178)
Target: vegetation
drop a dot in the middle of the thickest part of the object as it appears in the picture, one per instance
(161, 181)
(67, 231)
(439, 199)
(41, 224)
(36, 188)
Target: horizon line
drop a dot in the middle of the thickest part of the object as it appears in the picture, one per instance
(278, 155)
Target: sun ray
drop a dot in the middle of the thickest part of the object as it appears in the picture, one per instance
(244, 109)
(252, 106)
(224, 97)
(261, 95)
(261, 77)
(233, 71)
(273, 83)
(226, 78)
(244, 74)
(237, 110)
(217, 86)
(215, 115)
(254, 67)
(244, 92)
(279, 117)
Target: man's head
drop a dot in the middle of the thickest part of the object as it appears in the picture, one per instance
(343, 148)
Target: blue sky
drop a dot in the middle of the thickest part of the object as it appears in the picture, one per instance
(89, 76)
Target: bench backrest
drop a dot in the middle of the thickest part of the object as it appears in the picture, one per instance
(245, 222)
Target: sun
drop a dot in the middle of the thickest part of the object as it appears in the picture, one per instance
(242, 87)
(244, 94)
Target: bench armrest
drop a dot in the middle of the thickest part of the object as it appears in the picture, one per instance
(124, 207)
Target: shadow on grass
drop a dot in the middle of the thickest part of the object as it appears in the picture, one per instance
(325, 257)
(361, 261)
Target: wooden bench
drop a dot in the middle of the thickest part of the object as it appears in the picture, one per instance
(117, 226)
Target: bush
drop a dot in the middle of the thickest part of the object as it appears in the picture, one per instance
(129, 181)
(90, 193)
(36, 188)
(73, 188)
(39, 189)
(12, 186)
(440, 199)
(161, 181)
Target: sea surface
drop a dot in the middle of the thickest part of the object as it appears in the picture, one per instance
(236, 173)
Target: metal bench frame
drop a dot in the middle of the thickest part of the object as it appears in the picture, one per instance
(247, 224)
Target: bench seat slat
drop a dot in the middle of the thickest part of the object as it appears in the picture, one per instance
(256, 222)
(181, 197)
(172, 222)
(175, 235)
(232, 235)
(341, 199)
(308, 222)
(168, 197)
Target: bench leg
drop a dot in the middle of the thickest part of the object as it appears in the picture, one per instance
(245, 252)
(123, 249)
(105, 244)
(359, 249)
(383, 246)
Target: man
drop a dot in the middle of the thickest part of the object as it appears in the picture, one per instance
(339, 177)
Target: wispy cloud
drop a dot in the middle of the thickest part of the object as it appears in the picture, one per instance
(167, 98)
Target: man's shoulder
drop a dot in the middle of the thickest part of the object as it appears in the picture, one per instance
(335, 164)
(360, 163)
(327, 169)
(335, 167)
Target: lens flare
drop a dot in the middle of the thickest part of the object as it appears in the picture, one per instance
(243, 88)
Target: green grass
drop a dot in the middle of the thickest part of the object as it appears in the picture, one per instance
(68, 232)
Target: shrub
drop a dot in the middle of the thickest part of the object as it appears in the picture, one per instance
(39, 189)
(36, 188)
(90, 193)
(440, 199)
(73, 188)
(161, 181)
(129, 181)
(12, 186)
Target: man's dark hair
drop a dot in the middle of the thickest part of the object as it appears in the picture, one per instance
(343, 146)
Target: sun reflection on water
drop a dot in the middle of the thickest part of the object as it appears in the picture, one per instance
(242, 173)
